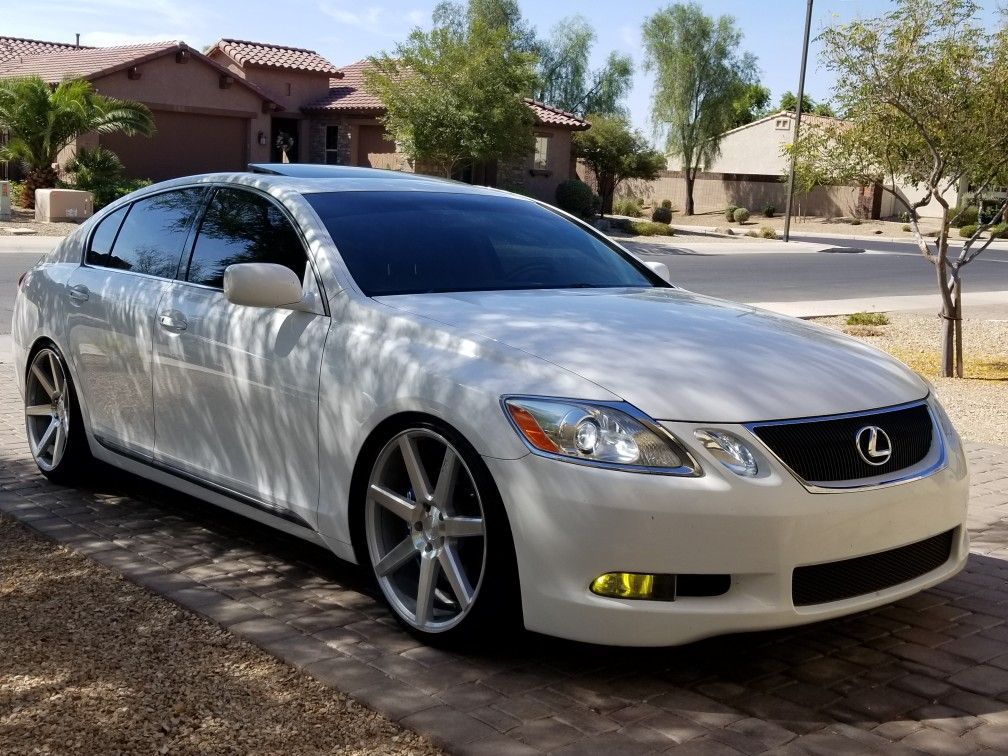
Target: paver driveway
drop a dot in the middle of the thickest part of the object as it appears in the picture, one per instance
(929, 673)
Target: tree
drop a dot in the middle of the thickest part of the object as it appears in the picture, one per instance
(924, 89)
(492, 14)
(454, 94)
(42, 120)
(789, 102)
(615, 153)
(751, 104)
(565, 79)
(699, 76)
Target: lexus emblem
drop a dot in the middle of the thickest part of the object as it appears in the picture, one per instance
(873, 445)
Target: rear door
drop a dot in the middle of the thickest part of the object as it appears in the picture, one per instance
(236, 388)
(131, 259)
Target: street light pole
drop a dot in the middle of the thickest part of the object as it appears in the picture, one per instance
(797, 125)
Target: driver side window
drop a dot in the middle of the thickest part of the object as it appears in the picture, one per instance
(243, 227)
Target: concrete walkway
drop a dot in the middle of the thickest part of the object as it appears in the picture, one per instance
(996, 301)
(927, 674)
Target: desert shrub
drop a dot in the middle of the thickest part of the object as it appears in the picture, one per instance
(662, 214)
(855, 221)
(967, 231)
(100, 172)
(642, 227)
(752, 233)
(904, 217)
(1000, 231)
(729, 213)
(575, 197)
(767, 232)
(741, 215)
(990, 214)
(964, 216)
(667, 203)
(868, 319)
(907, 227)
(769, 211)
(628, 206)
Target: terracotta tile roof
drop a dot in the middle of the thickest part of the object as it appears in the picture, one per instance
(95, 62)
(56, 65)
(551, 116)
(12, 48)
(347, 94)
(265, 55)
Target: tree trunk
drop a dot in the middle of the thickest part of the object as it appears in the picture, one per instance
(38, 178)
(690, 179)
(958, 328)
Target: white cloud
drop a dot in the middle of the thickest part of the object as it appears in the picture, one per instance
(374, 19)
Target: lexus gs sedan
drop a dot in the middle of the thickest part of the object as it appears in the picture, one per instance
(503, 414)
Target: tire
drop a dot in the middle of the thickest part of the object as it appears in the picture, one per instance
(438, 542)
(53, 421)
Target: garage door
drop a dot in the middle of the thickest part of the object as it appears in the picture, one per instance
(185, 143)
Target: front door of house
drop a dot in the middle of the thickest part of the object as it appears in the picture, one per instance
(284, 144)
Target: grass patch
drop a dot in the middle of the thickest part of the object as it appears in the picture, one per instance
(867, 319)
(928, 363)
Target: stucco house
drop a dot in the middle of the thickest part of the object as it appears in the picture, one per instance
(242, 102)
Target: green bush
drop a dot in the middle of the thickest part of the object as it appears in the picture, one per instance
(642, 228)
(1000, 231)
(769, 211)
(16, 187)
(967, 231)
(662, 214)
(991, 213)
(868, 319)
(741, 215)
(575, 197)
(100, 172)
(667, 204)
(904, 217)
(628, 206)
(767, 232)
(907, 227)
(729, 213)
(964, 216)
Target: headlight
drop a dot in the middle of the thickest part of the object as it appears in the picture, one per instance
(598, 434)
(730, 450)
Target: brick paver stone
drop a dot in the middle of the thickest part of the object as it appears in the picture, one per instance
(929, 673)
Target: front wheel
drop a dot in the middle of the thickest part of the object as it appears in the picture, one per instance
(53, 419)
(438, 540)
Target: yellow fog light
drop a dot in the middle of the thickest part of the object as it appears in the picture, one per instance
(626, 585)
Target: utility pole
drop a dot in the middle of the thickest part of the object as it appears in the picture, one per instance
(797, 125)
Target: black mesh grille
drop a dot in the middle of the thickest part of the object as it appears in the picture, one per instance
(821, 583)
(825, 450)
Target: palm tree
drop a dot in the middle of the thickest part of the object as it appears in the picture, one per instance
(41, 120)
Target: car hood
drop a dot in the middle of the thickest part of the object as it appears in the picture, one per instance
(682, 356)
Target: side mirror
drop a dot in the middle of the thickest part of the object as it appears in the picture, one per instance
(261, 285)
(661, 269)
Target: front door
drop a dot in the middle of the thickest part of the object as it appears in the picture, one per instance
(131, 259)
(236, 388)
(285, 144)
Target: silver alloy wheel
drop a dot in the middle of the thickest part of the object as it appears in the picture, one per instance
(47, 409)
(427, 542)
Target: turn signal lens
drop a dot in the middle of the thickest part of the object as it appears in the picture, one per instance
(625, 585)
(598, 433)
(731, 451)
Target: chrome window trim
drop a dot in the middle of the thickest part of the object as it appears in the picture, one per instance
(684, 471)
(853, 486)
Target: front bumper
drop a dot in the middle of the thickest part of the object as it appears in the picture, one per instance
(572, 523)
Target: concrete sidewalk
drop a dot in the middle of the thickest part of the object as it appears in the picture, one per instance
(744, 246)
(994, 303)
(10, 243)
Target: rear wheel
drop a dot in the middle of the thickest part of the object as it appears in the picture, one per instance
(53, 419)
(437, 538)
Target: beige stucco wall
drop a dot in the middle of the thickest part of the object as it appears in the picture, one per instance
(753, 149)
(891, 208)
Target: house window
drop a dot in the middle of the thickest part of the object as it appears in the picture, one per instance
(783, 123)
(332, 145)
(541, 159)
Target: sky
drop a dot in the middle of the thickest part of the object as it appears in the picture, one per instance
(345, 31)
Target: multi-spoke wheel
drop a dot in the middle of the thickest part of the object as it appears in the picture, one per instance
(52, 418)
(427, 529)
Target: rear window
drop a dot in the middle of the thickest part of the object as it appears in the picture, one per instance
(153, 235)
(414, 242)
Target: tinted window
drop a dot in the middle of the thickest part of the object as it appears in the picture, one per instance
(154, 233)
(104, 236)
(410, 242)
(242, 227)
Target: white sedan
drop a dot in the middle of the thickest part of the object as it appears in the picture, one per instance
(505, 415)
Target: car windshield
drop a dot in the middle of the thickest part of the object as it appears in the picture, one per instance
(408, 242)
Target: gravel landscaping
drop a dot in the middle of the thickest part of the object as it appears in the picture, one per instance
(90, 663)
(977, 404)
(22, 219)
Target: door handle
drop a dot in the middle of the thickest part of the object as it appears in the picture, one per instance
(79, 293)
(173, 321)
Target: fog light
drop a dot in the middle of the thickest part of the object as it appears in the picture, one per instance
(628, 585)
